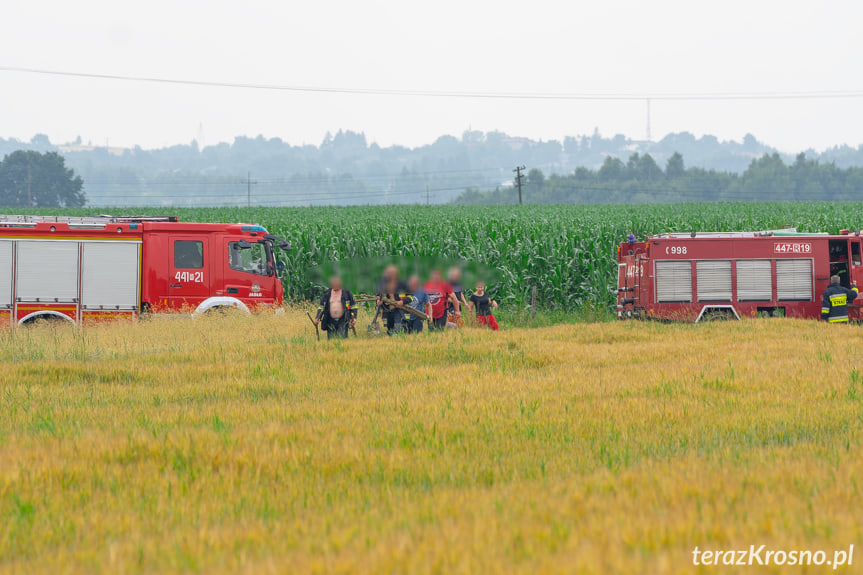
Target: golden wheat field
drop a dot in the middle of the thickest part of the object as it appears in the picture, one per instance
(242, 445)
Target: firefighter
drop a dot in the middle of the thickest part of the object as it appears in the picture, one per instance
(390, 272)
(397, 292)
(337, 310)
(834, 304)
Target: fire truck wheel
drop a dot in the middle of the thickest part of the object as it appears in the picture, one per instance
(215, 303)
(717, 315)
(223, 311)
(45, 318)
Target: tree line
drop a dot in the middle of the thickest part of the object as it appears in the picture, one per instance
(347, 168)
(33, 179)
(640, 179)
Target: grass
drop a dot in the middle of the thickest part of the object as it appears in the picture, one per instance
(242, 445)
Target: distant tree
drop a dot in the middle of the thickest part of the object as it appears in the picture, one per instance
(767, 177)
(648, 171)
(674, 167)
(611, 170)
(40, 141)
(31, 179)
(535, 179)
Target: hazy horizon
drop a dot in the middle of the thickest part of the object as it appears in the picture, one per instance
(780, 71)
(370, 141)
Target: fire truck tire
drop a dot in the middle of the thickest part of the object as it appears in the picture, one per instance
(221, 304)
(45, 315)
(718, 313)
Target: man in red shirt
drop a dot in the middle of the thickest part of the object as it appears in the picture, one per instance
(440, 292)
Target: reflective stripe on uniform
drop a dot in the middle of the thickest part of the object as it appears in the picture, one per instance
(838, 319)
(838, 300)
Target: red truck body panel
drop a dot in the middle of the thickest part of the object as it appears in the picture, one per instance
(691, 277)
(95, 268)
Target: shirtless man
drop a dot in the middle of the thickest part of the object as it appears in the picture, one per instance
(337, 310)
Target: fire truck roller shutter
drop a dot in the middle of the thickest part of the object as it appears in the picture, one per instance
(674, 281)
(5, 274)
(794, 280)
(754, 280)
(47, 271)
(714, 280)
(109, 275)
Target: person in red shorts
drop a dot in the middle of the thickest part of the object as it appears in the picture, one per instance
(482, 304)
(440, 295)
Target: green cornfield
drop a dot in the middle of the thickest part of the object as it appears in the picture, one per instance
(567, 252)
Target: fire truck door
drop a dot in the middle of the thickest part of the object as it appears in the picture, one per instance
(249, 270)
(856, 263)
(190, 271)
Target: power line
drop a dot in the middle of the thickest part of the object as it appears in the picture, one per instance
(606, 96)
(295, 197)
(276, 192)
(229, 179)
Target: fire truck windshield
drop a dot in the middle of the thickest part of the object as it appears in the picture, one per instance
(252, 259)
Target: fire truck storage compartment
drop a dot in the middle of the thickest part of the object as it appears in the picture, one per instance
(754, 280)
(794, 280)
(674, 281)
(109, 275)
(47, 271)
(5, 274)
(714, 280)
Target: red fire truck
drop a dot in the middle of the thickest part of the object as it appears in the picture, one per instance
(80, 269)
(699, 276)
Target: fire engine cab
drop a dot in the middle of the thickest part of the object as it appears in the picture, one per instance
(730, 275)
(88, 268)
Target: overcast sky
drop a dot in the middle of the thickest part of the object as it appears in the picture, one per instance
(494, 47)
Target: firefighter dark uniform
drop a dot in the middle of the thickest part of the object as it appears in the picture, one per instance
(398, 319)
(834, 304)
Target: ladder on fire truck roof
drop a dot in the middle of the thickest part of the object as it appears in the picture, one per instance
(20, 221)
(761, 234)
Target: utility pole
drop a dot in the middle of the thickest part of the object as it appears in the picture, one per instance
(249, 183)
(518, 177)
(428, 201)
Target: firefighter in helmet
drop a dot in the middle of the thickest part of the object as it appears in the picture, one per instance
(834, 304)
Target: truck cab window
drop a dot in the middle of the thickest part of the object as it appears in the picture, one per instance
(188, 255)
(251, 260)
